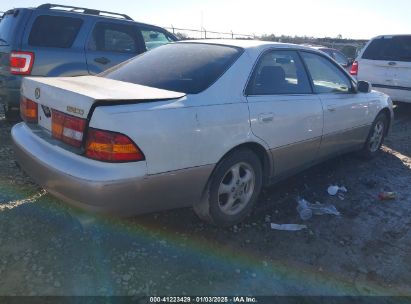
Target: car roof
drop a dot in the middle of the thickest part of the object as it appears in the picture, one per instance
(320, 47)
(76, 13)
(392, 35)
(248, 43)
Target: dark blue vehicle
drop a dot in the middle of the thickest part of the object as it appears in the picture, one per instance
(58, 40)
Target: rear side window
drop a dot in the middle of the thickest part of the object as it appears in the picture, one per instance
(112, 37)
(54, 31)
(153, 38)
(390, 48)
(279, 72)
(183, 67)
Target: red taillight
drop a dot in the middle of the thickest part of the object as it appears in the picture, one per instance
(67, 128)
(354, 68)
(21, 63)
(28, 110)
(111, 147)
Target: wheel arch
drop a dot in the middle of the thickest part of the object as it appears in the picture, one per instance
(262, 153)
(267, 166)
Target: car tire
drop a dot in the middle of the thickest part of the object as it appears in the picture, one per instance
(232, 190)
(375, 137)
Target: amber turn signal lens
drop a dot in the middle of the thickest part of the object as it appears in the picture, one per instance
(111, 147)
(28, 110)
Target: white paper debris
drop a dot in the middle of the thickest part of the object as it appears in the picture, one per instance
(288, 227)
(333, 189)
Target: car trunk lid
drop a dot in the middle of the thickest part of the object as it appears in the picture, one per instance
(65, 103)
(77, 95)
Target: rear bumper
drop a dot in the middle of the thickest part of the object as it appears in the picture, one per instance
(120, 189)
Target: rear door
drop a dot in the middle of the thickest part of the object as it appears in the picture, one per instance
(56, 42)
(386, 62)
(284, 112)
(111, 43)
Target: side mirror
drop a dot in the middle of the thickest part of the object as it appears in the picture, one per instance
(364, 86)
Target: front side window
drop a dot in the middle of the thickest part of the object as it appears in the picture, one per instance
(182, 67)
(391, 48)
(326, 76)
(279, 72)
(153, 38)
(328, 52)
(340, 58)
(54, 31)
(112, 37)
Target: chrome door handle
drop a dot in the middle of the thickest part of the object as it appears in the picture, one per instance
(264, 118)
(331, 108)
(392, 63)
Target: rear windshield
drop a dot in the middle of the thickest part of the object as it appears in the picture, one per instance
(54, 31)
(6, 28)
(183, 67)
(396, 48)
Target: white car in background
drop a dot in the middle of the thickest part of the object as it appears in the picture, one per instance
(205, 124)
(386, 62)
(334, 54)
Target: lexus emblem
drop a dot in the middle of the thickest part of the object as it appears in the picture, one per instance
(37, 93)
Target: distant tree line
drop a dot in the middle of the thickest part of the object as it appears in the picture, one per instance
(349, 47)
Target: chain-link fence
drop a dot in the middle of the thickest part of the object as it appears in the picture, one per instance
(203, 33)
(348, 46)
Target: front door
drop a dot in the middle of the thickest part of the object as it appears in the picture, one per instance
(283, 110)
(347, 115)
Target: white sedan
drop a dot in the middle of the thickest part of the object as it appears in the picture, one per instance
(205, 124)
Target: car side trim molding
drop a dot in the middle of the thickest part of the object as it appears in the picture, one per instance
(383, 86)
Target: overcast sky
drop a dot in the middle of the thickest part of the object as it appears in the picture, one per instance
(318, 18)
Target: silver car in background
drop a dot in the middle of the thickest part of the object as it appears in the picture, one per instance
(204, 124)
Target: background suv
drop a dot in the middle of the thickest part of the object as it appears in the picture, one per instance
(386, 62)
(57, 40)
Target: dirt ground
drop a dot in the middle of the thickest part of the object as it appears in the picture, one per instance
(48, 248)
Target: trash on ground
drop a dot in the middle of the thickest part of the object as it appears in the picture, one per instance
(333, 189)
(320, 209)
(387, 196)
(288, 227)
(306, 210)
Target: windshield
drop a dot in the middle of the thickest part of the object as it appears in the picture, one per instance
(183, 67)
